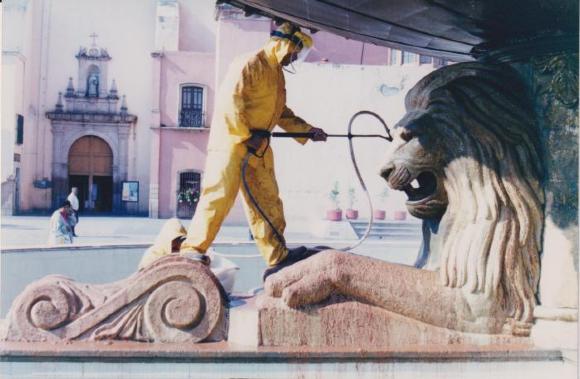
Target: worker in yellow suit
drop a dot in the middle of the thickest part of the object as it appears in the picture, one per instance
(252, 98)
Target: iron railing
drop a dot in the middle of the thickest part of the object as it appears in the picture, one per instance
(191, 118)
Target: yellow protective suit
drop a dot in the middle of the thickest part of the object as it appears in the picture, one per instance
(162, 246)
(253, 96)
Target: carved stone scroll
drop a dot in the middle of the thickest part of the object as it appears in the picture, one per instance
(173, 300)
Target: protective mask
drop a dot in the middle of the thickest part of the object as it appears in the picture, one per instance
(302, 54)
(299, 57)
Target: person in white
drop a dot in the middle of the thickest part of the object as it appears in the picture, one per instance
(60, 231)
(74, 203)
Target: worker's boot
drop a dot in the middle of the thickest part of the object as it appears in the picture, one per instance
(196, 256)
(294, 255)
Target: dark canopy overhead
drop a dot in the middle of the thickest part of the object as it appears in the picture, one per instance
(454, 29)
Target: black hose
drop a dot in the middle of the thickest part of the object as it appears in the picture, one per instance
(279, 236)
(358, 174)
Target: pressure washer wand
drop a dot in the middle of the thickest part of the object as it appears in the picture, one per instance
(349, 136)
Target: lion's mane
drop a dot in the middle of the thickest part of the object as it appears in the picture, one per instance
(492, 176)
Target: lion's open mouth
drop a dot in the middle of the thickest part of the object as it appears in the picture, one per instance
(418, 188)
(422, 187)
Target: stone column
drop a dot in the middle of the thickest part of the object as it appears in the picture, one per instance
(117, 205)
(59, 166)
(123, 133)
(155, 137)
(154, 173)
(553, 81)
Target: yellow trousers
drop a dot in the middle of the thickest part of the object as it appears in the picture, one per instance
(221, 183)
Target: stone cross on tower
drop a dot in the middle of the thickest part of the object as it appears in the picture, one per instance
(94, 37)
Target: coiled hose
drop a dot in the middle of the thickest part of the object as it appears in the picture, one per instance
(350, 137)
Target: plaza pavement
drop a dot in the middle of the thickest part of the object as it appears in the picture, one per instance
(24, 231)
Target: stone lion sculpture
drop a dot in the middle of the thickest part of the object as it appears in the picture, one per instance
(470, 144)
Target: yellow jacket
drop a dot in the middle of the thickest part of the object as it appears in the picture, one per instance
(253, 96)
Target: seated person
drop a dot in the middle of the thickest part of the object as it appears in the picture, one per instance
(60, 229)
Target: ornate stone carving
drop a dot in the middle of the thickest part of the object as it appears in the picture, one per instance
(172, 300)
(554, 83)
(469, 139)
(562, 71)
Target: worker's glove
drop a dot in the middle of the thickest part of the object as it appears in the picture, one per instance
(255, 142)
(318, 134)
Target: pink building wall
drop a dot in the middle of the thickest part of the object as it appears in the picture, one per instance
(180, 149)
(178, 68)
(335, 49)
(238, 36)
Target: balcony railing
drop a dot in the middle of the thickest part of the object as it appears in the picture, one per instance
(191, 118)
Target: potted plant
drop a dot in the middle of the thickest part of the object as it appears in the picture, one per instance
(351, 213)
(334, 214)
(400, 215)
(189, 196)
(186, 202)
(380, 213)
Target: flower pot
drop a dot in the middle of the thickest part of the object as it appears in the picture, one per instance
(334, 215)
(379, 214)
(351, 214)
(400, 215)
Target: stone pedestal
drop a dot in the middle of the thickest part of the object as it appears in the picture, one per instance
(343, 323)
(555, 328)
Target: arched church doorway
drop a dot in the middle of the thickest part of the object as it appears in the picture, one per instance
(90, 169)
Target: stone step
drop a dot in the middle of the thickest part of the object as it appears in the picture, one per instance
(394, 230)
(397, 236)
(388, 229)
(392, 224)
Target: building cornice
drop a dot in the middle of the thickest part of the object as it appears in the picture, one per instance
(181, 129)
(105, 118)
(14, 53)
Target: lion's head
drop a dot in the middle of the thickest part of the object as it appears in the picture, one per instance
(467, 153)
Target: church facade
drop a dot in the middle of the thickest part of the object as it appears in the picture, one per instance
(91, 134)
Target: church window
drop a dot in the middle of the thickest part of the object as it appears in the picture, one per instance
(19, 129)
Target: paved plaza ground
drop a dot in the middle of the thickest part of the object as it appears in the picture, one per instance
(23, 231)
(32, 231)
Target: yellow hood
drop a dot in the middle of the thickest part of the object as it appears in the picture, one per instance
(278, 48)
